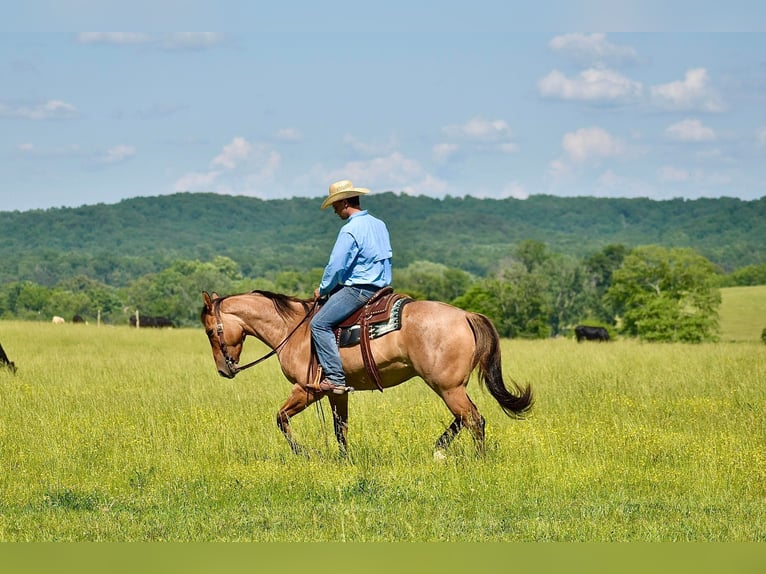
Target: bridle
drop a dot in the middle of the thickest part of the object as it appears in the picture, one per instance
(231, 363)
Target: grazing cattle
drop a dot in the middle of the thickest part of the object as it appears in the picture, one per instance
(149, 321)
(58, 320)
(78, 319)
(5, 361)
(591, 333)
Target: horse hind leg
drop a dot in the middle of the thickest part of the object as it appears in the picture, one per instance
(447, 436)
(466, 414)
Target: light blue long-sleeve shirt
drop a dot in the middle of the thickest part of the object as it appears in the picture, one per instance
(361, 255)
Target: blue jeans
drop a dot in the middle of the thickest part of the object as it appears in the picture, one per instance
(340, 305)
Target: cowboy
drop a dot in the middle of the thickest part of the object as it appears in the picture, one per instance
(360, 265)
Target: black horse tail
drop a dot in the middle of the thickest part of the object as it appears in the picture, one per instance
(515, 403)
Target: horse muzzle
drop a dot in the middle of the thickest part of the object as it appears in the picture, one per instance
(230, 371)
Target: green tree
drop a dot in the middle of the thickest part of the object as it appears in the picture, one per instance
(432, 281)
(600, 267)
(88, 298)
(25, 300)
(532, 254)
(666, 295)
(568, 291)
(515, 300)
(175, 292)
(748, 275)
(66, 304)
(297, 283)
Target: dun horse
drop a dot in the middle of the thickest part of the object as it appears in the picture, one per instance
(437, 342)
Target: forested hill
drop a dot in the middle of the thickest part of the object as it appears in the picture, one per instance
(141, 234)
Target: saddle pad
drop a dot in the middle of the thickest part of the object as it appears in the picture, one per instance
(350, 336)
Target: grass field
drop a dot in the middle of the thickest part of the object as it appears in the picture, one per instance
(113, 434)
(743, 313)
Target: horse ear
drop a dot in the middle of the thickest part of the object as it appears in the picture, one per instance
(206, 298)
(216, 295)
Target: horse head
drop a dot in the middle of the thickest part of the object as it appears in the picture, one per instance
(225, 333)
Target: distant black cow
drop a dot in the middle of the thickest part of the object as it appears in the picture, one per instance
(591, 333)
(78, 319)
(5, 361)
(149, 321)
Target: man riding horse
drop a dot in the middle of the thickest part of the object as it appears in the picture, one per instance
(359, 266)
(437, 342)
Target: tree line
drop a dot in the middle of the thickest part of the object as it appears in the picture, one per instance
(651, 292)
(118, 243)
(536, 267)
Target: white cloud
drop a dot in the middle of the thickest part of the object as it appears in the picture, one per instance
(690, 130)
(238, 150)
(394, 172)
(514, 190)
(692, 93)
(508, 147)
(476, 134)
(699, 177)
(50, 110)
(118, 154)
(591, 143)
(480, 130)
(558, 169)
(593, 84)
(670, 174)
(196, 181)
(394, 168)
(289, 135)
(266, 169)
(592, 49)
(240, 167)
(191, 40)
(441, 153)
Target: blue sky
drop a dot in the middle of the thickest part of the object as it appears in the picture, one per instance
(454, 107)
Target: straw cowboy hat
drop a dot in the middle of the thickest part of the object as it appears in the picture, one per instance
(343, 190)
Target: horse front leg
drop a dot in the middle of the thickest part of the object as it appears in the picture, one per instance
(296, 403)
(339, 405)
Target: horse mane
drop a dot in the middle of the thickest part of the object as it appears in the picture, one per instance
(283, 303)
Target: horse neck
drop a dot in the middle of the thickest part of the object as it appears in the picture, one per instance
(260, 318)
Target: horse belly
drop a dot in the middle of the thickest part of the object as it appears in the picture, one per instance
(393, 365)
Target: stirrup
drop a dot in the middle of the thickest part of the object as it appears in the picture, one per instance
(326, 386)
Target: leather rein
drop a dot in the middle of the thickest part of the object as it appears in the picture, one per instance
(231, 364)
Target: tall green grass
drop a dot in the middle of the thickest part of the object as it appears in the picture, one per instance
(114, 434)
